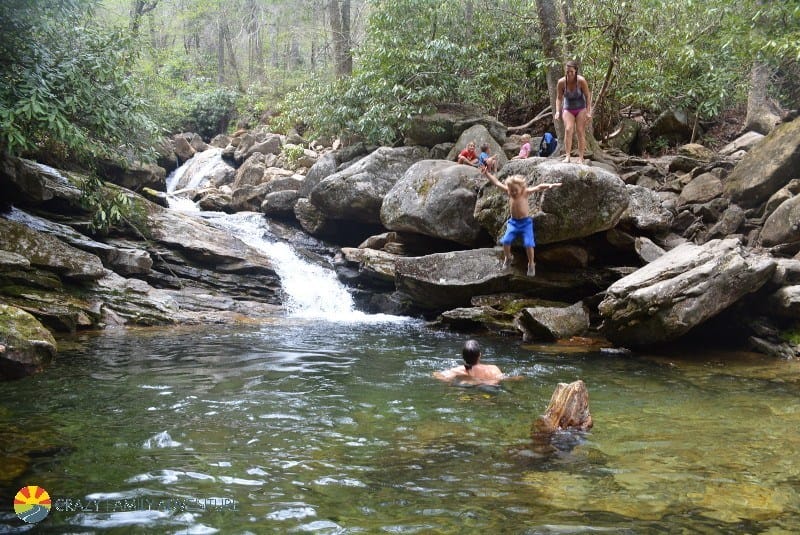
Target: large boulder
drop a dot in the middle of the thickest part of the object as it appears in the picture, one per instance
(205, 169)
(700, 189)
(258, 142)
(742, 143)
(782, 195)
(590, 200)
(432, 129)
(182, 148)
(48, 252)
(551, 323)
(480, 135)
(32, 183)
(680, 290)
(252, 172)
(625, 137)
(356, 193)
(673, 125)
(646, 211)
(495, 128)
(376, 269)
(25, 344)
(323, 168)
(435, 198)
(133, 175)
(786, 302)
(767, 167)
(783, 225)
(279, 203)
(478, 318)
(311, 218)
(443, 281)
(248, 198)
(123, 259)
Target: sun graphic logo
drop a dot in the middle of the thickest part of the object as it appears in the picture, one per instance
(32, 504)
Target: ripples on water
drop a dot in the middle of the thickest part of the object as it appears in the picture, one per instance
(310, 426)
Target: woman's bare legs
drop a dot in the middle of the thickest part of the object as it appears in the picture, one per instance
(569, 131)
(581, 121)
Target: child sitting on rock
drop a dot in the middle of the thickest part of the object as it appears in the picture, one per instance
(486, 160)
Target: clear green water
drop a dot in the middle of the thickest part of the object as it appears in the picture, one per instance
(336, 428)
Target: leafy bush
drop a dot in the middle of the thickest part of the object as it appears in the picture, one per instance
(65, 86)
(210, 112)
(107, 208)
(293, 153)
(416, 54)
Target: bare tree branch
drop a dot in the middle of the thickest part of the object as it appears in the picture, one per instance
(548, 111)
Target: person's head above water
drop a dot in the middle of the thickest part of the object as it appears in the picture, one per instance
(471, 353)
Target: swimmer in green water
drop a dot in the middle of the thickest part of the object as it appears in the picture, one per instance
(472, 372)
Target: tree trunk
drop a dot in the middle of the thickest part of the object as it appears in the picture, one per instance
(340, 32)
(295, 60)
(255, 57)
(762, 113)
(567, 29)
(568, 409)
(469, 14)
(220, 52)
(139, 8)
(347, 52)
(548, 19)
(227, 35)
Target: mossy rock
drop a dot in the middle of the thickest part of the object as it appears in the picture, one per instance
(26, 346)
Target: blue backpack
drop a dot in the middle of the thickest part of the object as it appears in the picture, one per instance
(547, 145)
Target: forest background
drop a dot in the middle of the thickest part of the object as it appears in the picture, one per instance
(85, 79)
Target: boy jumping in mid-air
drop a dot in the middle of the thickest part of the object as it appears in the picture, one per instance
(520, 223)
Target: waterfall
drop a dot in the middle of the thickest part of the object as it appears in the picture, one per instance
(311, 291)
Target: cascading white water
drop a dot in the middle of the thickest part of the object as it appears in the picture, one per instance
(311, 291)
(175, 177)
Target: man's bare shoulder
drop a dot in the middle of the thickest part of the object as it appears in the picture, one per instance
(449, 375)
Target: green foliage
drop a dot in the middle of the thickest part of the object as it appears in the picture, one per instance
(659, 145)
(683, 53)
(792, 335)
(210, 112)
(293, 153)
(417, 54)
(108, 207)
(65, 85)
(255, 103)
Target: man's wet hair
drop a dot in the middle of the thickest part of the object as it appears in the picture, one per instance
(471, 353)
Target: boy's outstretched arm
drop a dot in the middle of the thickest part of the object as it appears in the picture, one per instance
(541, 187)
(493, 179)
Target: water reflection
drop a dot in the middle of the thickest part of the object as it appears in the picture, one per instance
(308, 425)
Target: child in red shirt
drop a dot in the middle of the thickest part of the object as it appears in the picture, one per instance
(468, 156)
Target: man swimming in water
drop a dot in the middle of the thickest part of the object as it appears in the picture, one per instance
(472, 372)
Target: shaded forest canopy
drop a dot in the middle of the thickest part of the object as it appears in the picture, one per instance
(87, 78)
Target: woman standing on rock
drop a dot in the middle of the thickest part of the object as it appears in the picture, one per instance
(574, 106)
